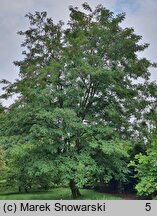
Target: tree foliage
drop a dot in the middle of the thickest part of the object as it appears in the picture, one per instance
(78, 107)
(146, 168)
(2, 160)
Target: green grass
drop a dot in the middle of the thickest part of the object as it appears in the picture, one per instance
(56, 194)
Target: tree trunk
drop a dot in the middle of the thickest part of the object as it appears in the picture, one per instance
(74, 189)
(26, 190)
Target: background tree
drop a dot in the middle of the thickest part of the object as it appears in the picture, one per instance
(146, 167)
(2, 152)
(2, 160)
(78, 106)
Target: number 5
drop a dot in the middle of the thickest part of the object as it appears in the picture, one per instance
(148, 207)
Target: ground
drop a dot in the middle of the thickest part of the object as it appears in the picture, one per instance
(57, 194)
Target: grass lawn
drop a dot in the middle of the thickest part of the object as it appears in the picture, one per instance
(56, 194)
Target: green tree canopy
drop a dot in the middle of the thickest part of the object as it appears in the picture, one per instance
(146, 167)
(78, 105)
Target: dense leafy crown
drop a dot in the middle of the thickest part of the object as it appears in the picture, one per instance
(78, 103)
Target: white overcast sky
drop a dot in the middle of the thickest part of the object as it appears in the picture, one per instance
(140, 14)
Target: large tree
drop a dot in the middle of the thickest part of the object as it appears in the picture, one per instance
(78, 107)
